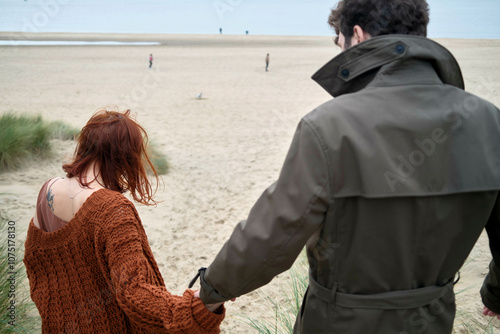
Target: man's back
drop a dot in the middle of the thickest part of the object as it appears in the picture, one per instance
(414, 180)
(389, 184)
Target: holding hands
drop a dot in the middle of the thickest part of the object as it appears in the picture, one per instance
(487, 311)
(211, 307)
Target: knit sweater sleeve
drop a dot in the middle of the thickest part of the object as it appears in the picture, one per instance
(137, 283)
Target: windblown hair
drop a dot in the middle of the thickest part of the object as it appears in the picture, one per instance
(380, 17)
(117, 145)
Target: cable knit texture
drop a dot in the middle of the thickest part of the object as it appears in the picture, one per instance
(97, 274)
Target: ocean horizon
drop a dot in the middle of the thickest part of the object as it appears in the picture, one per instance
(449, 19)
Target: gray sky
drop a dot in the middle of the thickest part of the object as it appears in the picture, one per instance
(449, 18)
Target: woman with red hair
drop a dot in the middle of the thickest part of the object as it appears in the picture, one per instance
(88, 260)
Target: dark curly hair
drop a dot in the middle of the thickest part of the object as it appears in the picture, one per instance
(380, 17)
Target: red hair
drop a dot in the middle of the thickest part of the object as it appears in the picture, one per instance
(117, 145)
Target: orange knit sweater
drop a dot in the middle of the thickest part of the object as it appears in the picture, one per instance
(97, 274)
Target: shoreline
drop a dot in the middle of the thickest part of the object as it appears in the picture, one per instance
(74, 43)
(170, 39)
(187, 39)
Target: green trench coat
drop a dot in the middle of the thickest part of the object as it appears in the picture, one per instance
(389, 185)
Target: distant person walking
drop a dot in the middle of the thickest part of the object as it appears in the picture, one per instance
(150, 60)
(220, 31)
(267, 62)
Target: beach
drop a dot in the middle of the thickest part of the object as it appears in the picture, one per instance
(224, 149)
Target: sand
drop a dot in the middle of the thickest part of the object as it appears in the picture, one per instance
(223, 149)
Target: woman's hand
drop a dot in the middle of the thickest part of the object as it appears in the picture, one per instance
(210, 307)
(487, 311)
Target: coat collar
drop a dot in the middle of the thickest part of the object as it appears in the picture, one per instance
(357, 67)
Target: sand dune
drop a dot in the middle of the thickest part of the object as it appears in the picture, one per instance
(224, 149)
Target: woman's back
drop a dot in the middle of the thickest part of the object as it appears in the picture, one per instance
(59, 200)
(64, 267)
(87, 256)
(97, 274)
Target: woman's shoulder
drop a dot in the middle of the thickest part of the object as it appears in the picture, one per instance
(47, 184)
(110, 203)
(110, 198)
(110, 210)
(42, 193)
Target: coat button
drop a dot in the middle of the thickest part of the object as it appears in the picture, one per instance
(345, 74)
(400, 49)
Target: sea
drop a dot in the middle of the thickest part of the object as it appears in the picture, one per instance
(478, 19)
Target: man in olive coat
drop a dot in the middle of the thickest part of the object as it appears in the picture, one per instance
(388, 185)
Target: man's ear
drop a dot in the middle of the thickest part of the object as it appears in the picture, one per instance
(359, 35)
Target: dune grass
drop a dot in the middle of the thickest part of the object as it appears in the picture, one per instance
(23, 137)
(468, 323)
(18, 312)
(158, 158)
(62, 131)
(286, 306)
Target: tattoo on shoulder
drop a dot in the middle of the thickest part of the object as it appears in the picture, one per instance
(50, 200)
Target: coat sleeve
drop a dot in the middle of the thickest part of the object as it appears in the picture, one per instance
(282, 220)
(138, 286)
(490, 291)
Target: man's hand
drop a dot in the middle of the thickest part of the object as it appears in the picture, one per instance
(487, 311)
(210, 307)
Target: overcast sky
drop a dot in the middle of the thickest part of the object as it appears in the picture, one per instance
(449, 18)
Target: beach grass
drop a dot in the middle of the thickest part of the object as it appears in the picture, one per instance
(158, 158)
(18, 312)
(468, 323)
(62, 131)
(286, 306)
(25, 137)
(22, 137)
